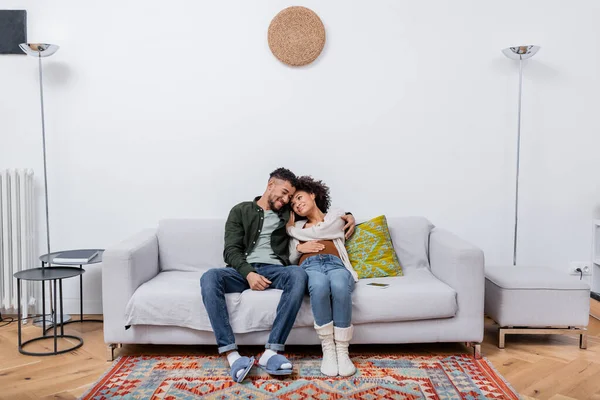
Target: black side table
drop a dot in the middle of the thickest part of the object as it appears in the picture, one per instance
(49, 259)
(47, 274)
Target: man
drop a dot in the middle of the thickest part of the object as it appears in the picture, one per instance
(256, 250)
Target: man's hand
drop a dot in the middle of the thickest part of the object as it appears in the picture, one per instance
(310, 247)
(350, 224)
(257, 282)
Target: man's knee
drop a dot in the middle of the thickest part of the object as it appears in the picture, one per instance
(294, 273)
(297, 275)
(296, 279)
(209, 279)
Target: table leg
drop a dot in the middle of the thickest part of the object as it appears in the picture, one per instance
(19, 309)
(55, 319)
(62, 326)
(81, 295)
(43, 305)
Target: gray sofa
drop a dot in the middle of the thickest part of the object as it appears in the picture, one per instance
(151, 290)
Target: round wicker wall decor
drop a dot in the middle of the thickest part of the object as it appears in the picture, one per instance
(296, 36)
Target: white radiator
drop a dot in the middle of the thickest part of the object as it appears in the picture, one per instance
(17, 237)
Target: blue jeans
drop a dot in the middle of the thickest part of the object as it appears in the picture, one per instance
(216, 282)
(330, 286)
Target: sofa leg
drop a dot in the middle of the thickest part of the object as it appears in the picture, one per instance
(583, 341)
(501, 338)
(111, 352)
(476, 349)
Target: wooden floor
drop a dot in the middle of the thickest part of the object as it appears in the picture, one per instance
(537, 366)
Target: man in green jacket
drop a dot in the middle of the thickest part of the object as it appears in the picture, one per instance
(256, 252)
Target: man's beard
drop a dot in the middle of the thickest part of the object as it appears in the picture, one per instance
(273, 204)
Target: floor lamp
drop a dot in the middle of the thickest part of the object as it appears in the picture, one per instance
(519, 53)
(40, 50)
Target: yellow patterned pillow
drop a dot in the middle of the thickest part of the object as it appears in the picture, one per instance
(371, 252)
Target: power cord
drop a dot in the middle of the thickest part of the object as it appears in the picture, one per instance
(580, 273)
(9, 320)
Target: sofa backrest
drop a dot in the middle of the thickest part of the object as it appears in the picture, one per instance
(197, 244)
(190, 244)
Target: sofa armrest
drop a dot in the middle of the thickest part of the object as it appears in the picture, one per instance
(125, 266)
(460, 265)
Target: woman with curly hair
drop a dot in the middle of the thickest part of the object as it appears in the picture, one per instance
(317, 246)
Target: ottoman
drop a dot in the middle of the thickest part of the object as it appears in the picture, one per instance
(536, 300)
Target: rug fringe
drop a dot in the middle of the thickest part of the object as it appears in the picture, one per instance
(108, 371)
(499, 375)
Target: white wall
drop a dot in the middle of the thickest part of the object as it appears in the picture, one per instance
(179, 109)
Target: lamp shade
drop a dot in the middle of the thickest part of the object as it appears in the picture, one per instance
(39, 49)
(520, 52)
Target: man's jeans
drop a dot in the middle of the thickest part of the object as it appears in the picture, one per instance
(330, 286)
(216, 282)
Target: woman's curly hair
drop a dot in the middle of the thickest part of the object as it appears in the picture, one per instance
(318, 188)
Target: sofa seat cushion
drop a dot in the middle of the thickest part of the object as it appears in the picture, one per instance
(173, 298)
(415, 296)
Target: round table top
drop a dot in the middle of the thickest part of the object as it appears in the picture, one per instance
(47, 274)
(45, 257)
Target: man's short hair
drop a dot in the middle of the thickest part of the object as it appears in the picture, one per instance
(285, 175)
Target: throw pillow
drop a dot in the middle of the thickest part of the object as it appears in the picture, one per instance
(371, 251)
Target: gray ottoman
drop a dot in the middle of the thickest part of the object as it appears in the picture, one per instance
(532, 300)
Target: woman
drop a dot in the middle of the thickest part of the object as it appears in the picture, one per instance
(317, 245)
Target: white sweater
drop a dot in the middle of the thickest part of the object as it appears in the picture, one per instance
(330, 229)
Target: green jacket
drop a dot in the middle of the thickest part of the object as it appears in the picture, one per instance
(242, 229)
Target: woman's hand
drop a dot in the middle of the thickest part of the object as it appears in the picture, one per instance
(291, 221)
(310, 247)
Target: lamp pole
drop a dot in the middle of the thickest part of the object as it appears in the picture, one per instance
(40, 50)
(519, 53)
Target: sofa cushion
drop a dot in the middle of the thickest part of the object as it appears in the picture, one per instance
(197, 244)
(418, 295)
(410, 236)
(190, 244)
(371, 252)
(173, 298)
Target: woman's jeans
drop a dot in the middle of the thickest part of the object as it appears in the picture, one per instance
(330, 286)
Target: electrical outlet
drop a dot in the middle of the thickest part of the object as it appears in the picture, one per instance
(585, 266)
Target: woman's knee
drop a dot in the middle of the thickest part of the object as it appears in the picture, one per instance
(319, 287)
(341, 286)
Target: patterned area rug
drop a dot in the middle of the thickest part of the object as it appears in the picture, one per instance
(378, 377)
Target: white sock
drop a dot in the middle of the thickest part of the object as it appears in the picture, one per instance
(264, 359)
(233, 357)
